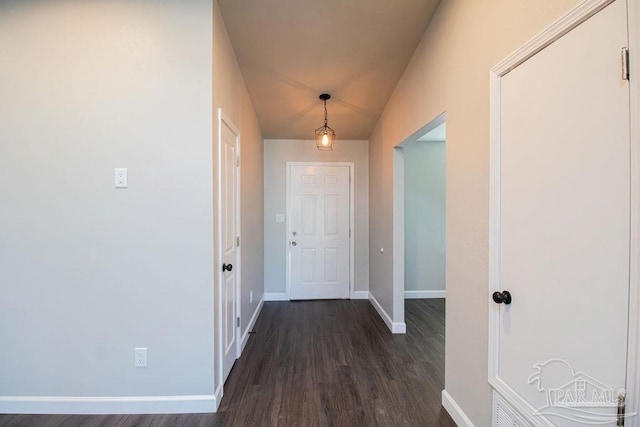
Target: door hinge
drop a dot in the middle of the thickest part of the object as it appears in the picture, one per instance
(349, 232)
(622, 398)
(237, 160)
(349, 179)
(625, 63)
(238, 322)
(238, 241)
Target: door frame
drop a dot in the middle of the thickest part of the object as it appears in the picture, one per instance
(398, 324)
(574, 17)
(633, 356)
(350, 165)
(224, 120)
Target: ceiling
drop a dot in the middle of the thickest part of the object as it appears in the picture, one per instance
(291, 51)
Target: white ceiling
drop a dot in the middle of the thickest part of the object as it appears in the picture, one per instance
(291, 51)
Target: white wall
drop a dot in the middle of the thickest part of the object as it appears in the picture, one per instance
(424, 216)
(450, 72)
(230, 94)
(87, 271)
(277, 154)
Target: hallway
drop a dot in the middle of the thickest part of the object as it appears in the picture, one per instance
(318, 363)
(335, 362)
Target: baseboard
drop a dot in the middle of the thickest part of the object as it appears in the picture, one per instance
(381, 312)
(424, 294)
(455, 410)
(218, 395)
(276, 296)
(108, 405)
(252, 323)
(360, 295)
(283, 296)
(394, 327)
(399, 328)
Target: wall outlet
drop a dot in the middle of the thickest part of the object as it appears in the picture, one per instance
(140, 356)
(250, 297)
(121, 178)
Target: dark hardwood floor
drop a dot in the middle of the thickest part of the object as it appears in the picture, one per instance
(318, 363)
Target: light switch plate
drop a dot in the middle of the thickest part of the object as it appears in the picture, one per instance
(279, 217)
(121, 178)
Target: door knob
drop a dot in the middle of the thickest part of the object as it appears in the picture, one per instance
(502, 297)
(227, 267)
(293, 243)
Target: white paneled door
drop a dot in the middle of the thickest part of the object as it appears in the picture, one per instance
(561, 227)
(229, 233)
(318, 227)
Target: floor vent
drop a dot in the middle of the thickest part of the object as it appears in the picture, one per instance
(504, 415)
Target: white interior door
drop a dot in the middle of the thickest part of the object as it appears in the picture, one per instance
(319, 222)
(561, 236)
(229, 161)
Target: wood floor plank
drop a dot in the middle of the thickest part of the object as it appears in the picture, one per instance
(317, 363)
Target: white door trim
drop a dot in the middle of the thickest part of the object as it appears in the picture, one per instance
(352, 291)
(238, 261)
(563, 25)
(223, 119)
(633, 362)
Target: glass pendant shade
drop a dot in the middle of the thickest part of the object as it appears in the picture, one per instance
(325, 136)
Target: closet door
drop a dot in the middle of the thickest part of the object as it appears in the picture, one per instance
(560, 230)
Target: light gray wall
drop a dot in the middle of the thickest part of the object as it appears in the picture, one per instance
(277, 154)
(424, 216)
(450, 72)
(87, 271)
(230, 94)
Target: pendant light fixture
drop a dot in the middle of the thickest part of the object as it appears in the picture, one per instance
(325, 136)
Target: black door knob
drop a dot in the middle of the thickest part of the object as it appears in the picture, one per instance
(502, 297)
(227, 267)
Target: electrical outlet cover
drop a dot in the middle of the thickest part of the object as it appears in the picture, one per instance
(121, 178)
(140, 357)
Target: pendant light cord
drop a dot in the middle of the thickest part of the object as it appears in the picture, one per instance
(325, 112)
